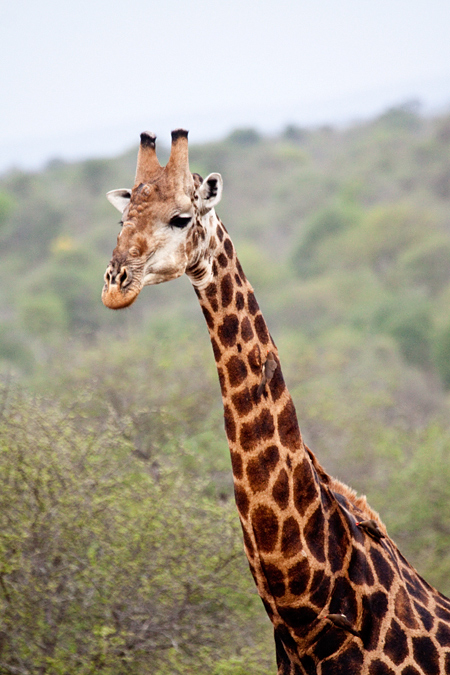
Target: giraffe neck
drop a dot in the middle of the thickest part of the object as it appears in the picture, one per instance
(254, 419)
(307, 556)
(279, 495)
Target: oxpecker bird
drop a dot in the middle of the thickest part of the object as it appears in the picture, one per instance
(372, 529)
(341, 621)
(269, 368)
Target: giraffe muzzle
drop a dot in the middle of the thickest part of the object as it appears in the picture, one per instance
(118, 291)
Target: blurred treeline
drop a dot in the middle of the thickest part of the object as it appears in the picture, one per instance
(120, 550)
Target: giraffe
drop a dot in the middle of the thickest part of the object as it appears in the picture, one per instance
(341, 597)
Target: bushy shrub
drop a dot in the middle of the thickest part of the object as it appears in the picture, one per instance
(110, 562)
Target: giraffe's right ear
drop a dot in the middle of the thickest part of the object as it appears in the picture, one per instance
(119, 198)
(210, 191)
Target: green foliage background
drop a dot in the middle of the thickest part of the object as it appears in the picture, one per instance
(120, 549)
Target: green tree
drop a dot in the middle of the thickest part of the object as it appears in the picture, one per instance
(416, 476)
(441, 353)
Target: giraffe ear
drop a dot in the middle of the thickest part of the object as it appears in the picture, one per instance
(119, 198)
(210, 190)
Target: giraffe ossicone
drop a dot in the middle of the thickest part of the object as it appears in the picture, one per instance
(340, 595)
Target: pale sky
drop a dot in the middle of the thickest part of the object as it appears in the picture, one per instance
(85, 78)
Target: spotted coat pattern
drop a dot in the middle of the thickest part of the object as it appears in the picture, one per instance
(307, 556)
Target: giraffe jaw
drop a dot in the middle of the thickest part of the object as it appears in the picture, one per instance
(154, 278)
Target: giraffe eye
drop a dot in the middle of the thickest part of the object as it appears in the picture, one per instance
(180, 221)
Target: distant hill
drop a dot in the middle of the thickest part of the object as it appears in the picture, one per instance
(359, 219)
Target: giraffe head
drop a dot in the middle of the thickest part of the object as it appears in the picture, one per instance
(165, 223)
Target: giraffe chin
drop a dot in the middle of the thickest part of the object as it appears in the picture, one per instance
(113, 298)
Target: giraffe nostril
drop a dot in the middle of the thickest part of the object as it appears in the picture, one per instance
(123, 277)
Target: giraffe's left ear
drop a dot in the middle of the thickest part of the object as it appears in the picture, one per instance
(210, 191)
(119, 198)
